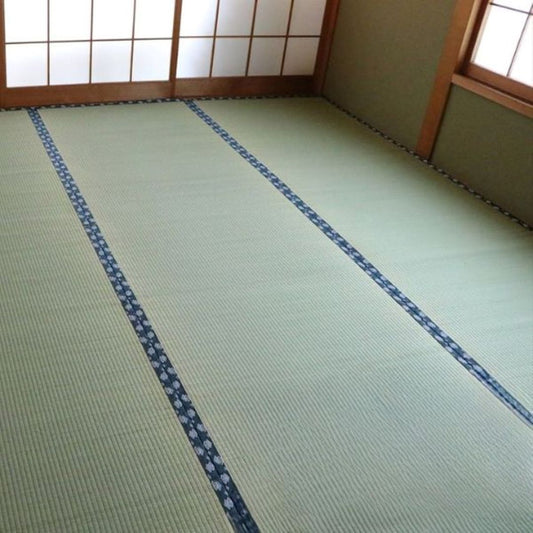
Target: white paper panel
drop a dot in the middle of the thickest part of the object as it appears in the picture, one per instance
(198, 17)
(499, 39)
(272, 17)
(267, 54)
(69, 63)
(151, 60)
(231, 56)
(113, 19)
(524, 5)
(235, 17)
(70, 20)
(194, 58)
(25, 20)
(522, 70)
(111, 61)
(154, 18)
(307, 17)
(300, 58)
(26, 64)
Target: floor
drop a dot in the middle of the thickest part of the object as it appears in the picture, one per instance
(344, 334)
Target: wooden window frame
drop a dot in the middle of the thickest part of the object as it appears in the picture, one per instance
(455, 68)
(174, 87)
(485, 76)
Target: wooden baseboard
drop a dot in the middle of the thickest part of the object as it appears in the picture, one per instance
(244, 86)
(85, 94)
(184, 88)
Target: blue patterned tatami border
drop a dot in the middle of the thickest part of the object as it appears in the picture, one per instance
(401, 299)
(364, 123)
(197, 433)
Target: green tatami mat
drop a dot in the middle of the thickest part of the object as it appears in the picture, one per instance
(88, 440)
(332, 408)
(467, 266)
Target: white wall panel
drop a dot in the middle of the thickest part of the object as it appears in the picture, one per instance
(272, 17)
(151, 60)
(307, 17)
(154, 18)
(501, 33)
(69, 63)
(26, 64)
(198, 17)
(25, 20)
(111, 61)
(266, 57)
(235, 17)
(113, 19)
(231, 56)
(300, 58)
(194, 57)
(70, 20)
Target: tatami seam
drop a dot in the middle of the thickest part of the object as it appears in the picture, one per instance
(364, 123)
(197, 434)
(460, 355)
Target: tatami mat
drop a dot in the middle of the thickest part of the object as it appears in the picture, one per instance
(88, 441)
(466, 265)
(332, 408)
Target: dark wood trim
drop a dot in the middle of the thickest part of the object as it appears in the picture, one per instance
(180, 88)
(86, 93)
(324, 48)
(455, 47)
(493, 94)
(175, 40)
(502, 83)
(2, 55)
(244, 86)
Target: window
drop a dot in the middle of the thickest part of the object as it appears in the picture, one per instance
(489, 51)
(501, 51)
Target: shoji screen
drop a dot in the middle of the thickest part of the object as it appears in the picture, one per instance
(64, 42)
(249, 38)
(54, 51)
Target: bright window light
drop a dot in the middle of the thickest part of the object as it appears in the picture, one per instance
(70, 20)
(69, 42)
(26, 20)
(505, 42)
(198, 18)
(154, 19)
